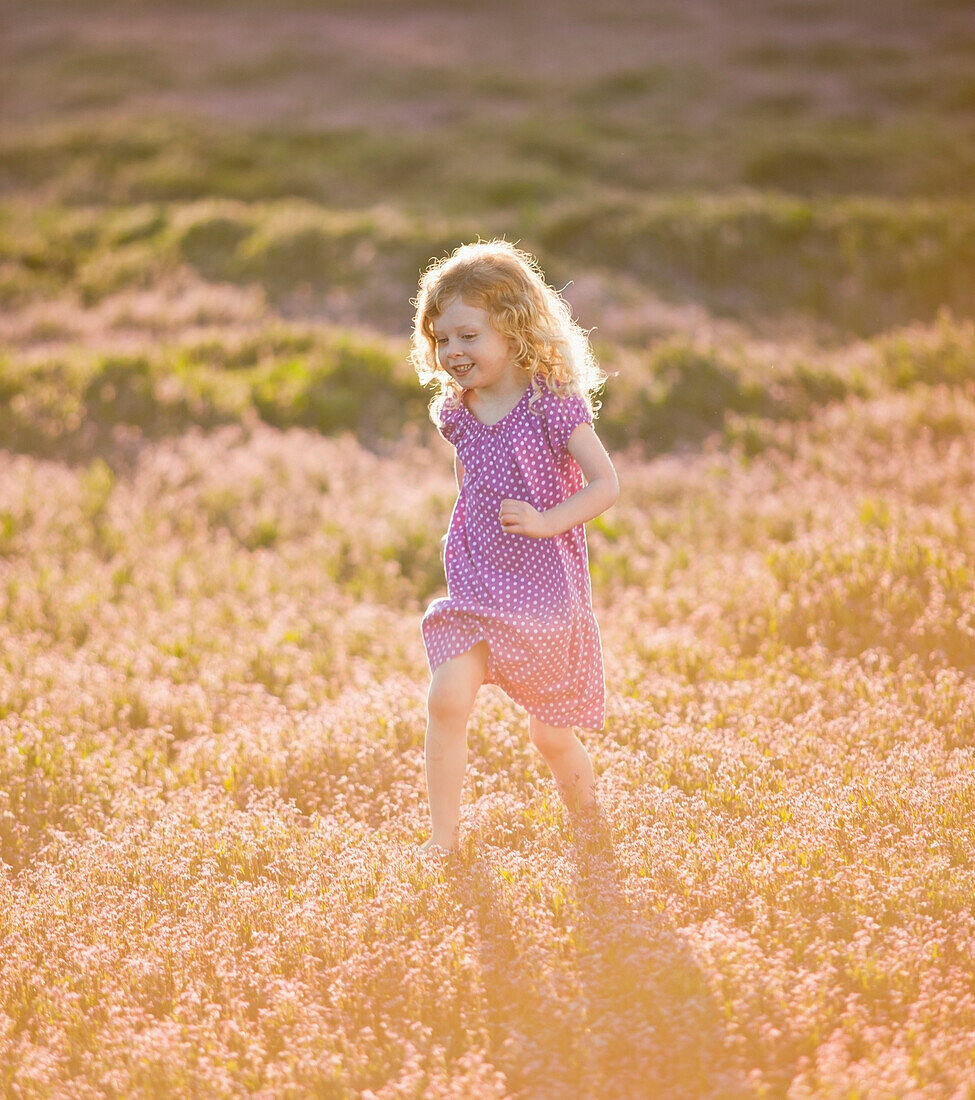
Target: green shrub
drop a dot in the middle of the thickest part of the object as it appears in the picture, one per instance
(299, 244)
(209, 239)
(130, 224)
(111, 270)
(857, 265)
(350, 386)
(122, 390)
(232, 350)
(942, 354)
(685, 394)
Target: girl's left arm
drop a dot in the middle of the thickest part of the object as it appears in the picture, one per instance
(601, 491)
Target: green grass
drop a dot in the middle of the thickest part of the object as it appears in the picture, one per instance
(861, 265)
(68, 402)
(850, 266)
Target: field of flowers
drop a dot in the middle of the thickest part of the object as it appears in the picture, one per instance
(211, 785)
(220, 515)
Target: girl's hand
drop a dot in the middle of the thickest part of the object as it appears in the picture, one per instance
(518, 517)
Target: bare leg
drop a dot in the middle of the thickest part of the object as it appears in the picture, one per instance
(452, 691)
(566, 755)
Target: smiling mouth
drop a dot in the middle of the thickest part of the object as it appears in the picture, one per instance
(462, 368)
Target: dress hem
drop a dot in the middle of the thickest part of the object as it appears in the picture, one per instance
(532, 711)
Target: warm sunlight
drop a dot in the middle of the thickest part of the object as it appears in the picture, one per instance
(222, 501)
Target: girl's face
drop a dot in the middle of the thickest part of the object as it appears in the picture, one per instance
(472, 351)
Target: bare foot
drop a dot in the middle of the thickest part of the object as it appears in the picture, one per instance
(435, 848)
(591, 826)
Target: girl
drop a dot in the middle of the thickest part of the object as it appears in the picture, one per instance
(516, 380)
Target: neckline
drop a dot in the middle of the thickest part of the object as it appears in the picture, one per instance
(501, 420)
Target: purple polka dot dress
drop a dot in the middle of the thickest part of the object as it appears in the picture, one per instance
(529, 599)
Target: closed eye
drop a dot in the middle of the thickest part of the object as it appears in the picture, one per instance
(464, 336)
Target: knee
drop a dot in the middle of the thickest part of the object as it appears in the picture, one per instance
(549, 740)
(454, 685)
(447, 702)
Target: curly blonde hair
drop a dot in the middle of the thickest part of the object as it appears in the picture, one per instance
(509, 286)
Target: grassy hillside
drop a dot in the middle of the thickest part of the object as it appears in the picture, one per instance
(795, 174)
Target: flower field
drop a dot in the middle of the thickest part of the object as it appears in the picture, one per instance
(221, 504)
(212, 780)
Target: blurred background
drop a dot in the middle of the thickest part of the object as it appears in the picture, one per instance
(216, 211)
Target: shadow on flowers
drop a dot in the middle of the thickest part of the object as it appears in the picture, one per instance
(585, 993)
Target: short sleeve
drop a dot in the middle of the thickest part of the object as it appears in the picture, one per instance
(563, 416)
(450, 424)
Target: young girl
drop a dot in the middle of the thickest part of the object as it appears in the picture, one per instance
(516, 381)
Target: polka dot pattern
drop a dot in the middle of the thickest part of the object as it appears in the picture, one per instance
(529, 599)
